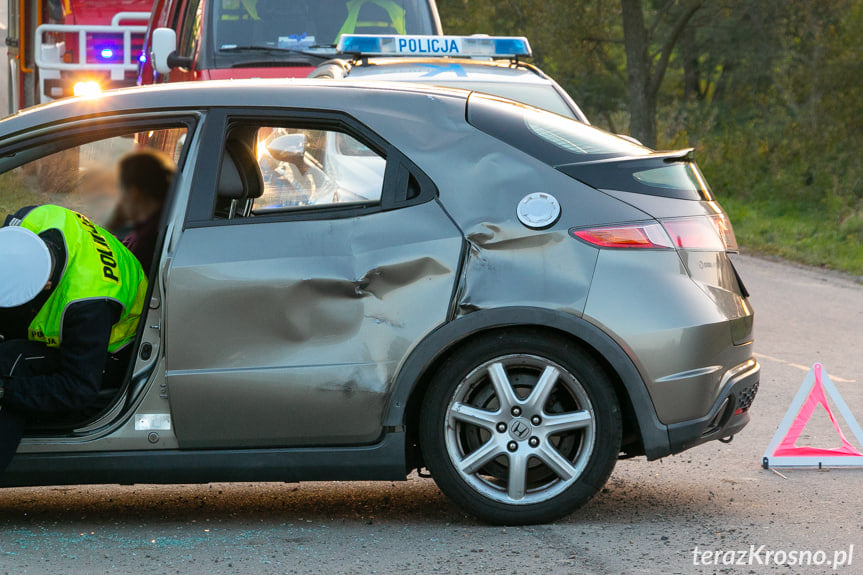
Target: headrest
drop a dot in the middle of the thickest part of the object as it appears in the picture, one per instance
(240, 177)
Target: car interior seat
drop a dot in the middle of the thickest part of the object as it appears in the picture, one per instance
(240, 181)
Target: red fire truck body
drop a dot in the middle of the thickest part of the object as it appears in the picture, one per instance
(57, 48)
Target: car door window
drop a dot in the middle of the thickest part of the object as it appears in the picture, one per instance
(304, 168)
(297, 165)
(80, 177)
(191, 32)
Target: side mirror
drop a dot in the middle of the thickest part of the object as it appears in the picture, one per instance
(164, 44)
(290, 149)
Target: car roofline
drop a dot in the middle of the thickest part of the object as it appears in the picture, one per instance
(83, 105)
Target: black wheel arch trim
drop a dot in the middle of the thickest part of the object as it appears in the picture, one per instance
(654, 434)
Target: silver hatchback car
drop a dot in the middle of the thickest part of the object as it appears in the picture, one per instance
(517, 301)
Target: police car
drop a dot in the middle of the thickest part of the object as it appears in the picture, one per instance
(488, 64)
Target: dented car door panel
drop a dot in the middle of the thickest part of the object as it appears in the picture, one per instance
(289, 333)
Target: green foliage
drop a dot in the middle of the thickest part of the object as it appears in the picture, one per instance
(767, 92)
(799, 234)
(570, 41)
(14, 193)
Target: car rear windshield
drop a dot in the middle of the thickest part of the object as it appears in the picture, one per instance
(542, 96)
(302, 24)
(679, 176)
(551, 138)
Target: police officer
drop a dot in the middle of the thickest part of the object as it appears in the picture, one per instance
(70, 298)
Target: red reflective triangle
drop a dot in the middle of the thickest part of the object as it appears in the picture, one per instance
(816, 397)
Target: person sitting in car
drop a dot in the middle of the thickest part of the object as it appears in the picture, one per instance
(145, 177)
(71, 296)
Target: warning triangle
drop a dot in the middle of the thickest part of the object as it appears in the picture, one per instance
(783, 451)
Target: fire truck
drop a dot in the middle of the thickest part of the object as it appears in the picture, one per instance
(59, 48)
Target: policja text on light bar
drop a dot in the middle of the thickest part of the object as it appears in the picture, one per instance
(397, 45)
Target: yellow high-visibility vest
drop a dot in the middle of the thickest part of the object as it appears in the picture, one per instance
(98, 266)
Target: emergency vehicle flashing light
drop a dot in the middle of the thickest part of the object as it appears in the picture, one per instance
(87, 89)
(398, 45)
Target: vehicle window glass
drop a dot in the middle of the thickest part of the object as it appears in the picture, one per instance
(576, 137)
(166, 14)
(677, 176)
(542, 96)
(84, 178)
(302, 24)
(191, 32)
(548, 137)
(304, 168)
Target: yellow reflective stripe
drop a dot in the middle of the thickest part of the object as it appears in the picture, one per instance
(352, 22)
(251, 7)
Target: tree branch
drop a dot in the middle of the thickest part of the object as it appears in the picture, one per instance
(668, 46)
(652, 32)
(600, 40)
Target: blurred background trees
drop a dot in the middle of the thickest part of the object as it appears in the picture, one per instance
(769, 93)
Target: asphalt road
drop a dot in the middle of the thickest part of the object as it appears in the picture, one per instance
(649, 519)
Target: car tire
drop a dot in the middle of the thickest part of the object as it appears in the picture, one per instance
(539, 454)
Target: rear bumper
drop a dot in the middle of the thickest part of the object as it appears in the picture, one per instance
(729, 414)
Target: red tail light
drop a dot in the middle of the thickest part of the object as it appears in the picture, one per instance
(626, 236)
(725, 231)
(697, 233)
(711, 233)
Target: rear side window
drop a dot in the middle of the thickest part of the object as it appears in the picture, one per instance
(551, 138)
(307, 168)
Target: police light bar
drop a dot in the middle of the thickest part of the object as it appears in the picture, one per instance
(396, 45)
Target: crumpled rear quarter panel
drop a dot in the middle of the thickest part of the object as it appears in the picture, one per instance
(481, 181)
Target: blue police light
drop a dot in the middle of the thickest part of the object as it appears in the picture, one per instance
(471, 46)
(107, 53)
(142, 58)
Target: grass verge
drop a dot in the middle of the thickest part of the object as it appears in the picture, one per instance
(803, 234)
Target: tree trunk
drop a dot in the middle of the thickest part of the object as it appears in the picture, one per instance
(691, 73)
(642, 100)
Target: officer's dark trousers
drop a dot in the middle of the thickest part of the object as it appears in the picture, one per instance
(21, 358)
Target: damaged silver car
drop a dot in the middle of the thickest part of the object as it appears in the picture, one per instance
(507, 298)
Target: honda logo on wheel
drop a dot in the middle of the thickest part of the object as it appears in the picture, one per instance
(519, 429)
